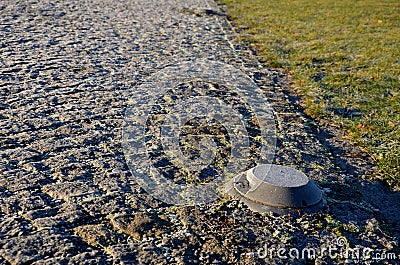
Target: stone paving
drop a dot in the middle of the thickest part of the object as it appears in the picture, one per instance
(67, 72)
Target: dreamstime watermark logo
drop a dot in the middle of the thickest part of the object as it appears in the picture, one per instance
(192, 126)
(339, 249)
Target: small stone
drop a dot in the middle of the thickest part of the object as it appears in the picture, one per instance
(142, 225)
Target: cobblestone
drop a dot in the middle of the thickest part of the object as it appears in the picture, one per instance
(67, 72)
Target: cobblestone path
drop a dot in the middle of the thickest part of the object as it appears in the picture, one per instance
(67, 70)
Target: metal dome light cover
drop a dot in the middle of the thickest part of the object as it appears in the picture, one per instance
(276, 188)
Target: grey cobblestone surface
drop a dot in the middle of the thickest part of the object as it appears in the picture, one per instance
(67, 70)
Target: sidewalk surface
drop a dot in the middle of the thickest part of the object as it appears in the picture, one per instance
(67, 70)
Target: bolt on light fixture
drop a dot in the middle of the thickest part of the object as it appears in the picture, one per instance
(278, 189)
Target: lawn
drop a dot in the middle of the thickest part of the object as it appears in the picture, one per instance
(344, 60)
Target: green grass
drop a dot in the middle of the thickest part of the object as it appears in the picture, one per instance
(344, 60)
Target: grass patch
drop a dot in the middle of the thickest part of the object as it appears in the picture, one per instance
(344, 59)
